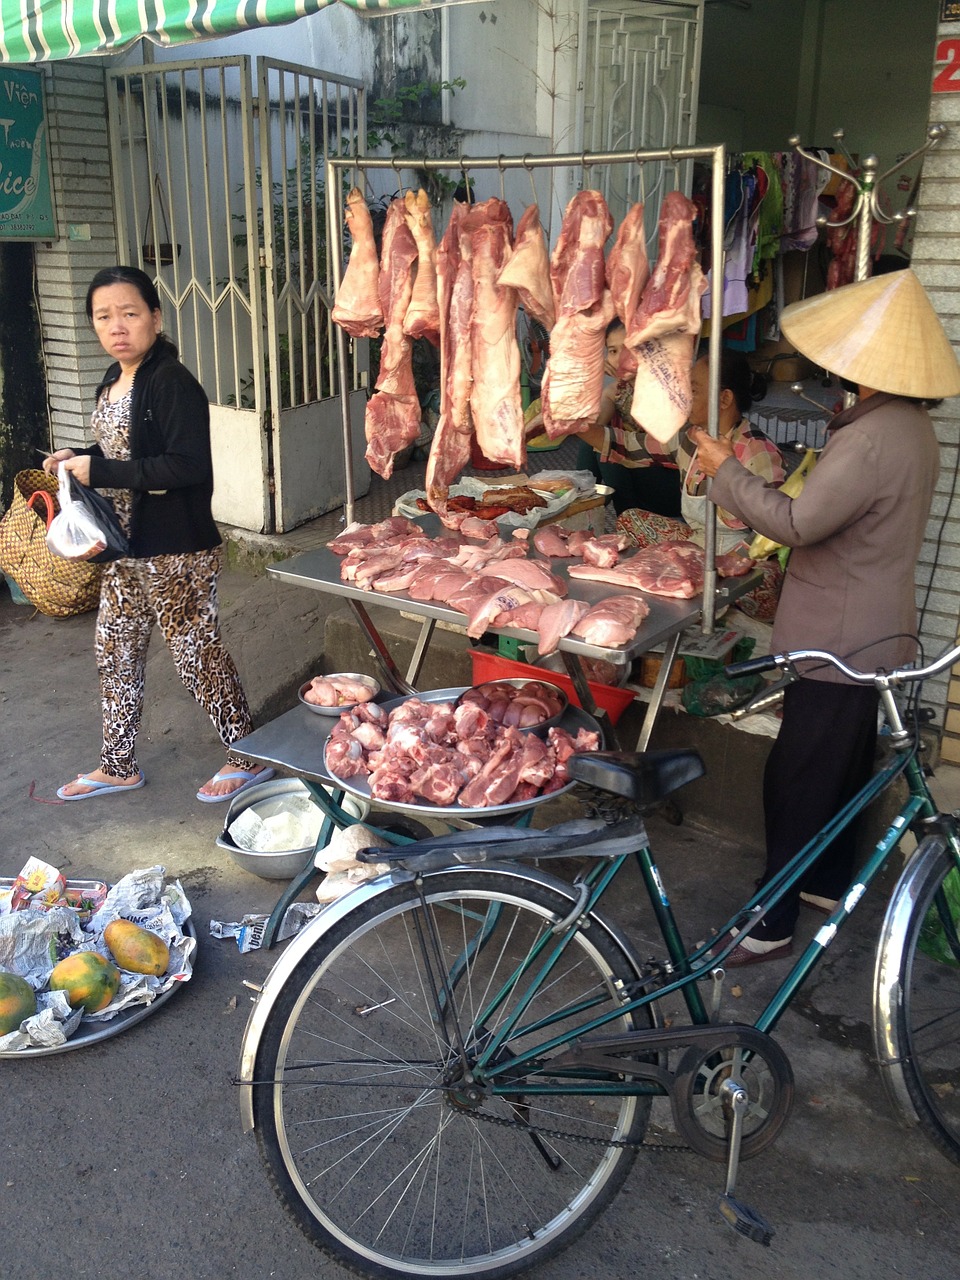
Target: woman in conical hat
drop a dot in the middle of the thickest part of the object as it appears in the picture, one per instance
(855, 530)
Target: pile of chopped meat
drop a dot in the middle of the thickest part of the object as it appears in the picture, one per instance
(442, 753)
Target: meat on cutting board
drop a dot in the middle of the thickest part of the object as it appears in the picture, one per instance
(663, 331)
(392, 419)
(452, 437)
(358, 309)
(613, 622)
(422, 319)
(528, 269)
(495, 396)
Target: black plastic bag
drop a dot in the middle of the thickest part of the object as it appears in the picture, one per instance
(86, 527)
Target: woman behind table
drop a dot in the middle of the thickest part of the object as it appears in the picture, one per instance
(641, 471)
(740, 387)
(856, 530)
(151, 428)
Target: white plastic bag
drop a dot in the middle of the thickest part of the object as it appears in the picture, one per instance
(73, 533)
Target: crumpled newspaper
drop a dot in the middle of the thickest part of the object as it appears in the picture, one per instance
(31, 943)
(250, 929)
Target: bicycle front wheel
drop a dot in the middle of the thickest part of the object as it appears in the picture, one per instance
(387, 1142)
(922, 1016)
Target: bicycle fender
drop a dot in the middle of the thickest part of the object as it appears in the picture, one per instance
(336, 911)
(887, 993)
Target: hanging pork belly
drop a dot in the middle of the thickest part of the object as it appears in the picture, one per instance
(423, 314)
(528, 269)
(665, 326)
(628, 270)
(495, 395)
(573, 382)
(392, 418)
(357, 308)
(450, 447)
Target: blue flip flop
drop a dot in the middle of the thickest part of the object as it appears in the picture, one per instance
(99, 788)
(226, 775)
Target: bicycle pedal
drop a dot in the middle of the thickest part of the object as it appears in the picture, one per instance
(745, 1220)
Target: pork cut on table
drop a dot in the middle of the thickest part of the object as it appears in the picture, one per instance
(557, 621)
(628, 270)
(369, 535)
(666, 569)
(422, 319)
(495, 395)
(573, 383)
(524, 573)
(613, 622)
(528, 269)
(662, 334)
(453, 435)
(392, 419)
(358, 308)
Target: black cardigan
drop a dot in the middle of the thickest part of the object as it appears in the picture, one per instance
(170, 471)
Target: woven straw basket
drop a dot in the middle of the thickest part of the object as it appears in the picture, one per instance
(57, 587)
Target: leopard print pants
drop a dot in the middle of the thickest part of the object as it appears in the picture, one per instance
(179, 594)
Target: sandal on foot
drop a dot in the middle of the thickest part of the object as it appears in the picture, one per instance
(826, 906)
(741, 955)
(228, 775)
(98, 788)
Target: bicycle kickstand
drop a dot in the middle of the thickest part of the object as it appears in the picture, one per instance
(740, 1216)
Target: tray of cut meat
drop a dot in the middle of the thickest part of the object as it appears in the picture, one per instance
(509, 506)
(423, 754)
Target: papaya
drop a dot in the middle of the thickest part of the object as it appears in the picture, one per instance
(17, 1001)
(88, 978)
(136, 949)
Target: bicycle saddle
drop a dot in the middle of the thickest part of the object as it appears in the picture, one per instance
(642, 776)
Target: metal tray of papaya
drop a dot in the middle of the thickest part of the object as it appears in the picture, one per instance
(90, 1032)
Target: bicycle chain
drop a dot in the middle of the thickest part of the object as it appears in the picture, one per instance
(582, 1138)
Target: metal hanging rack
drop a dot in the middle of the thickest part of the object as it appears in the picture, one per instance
(715, 156)
(866, 207)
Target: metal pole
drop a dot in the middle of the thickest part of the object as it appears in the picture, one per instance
(718, 178)
(335, 239)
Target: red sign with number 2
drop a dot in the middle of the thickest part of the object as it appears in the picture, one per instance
(947, 79)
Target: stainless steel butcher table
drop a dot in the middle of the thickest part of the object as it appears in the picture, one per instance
(665, 624)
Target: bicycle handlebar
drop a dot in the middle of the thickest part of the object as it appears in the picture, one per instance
(900, 675)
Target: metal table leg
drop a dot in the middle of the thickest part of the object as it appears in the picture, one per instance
(575, 671)
(659, 689)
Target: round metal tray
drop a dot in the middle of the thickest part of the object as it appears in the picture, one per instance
(334, 712)
(573, 718)
(518, 682)
(93, 1032)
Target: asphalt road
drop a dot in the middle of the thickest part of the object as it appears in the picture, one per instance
(127, 1157)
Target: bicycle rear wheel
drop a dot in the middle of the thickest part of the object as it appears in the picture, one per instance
(925, 1019)
(379, 1147)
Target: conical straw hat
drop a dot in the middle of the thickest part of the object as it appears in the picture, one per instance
(882, 333)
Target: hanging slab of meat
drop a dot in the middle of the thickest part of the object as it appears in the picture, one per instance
(450, 447)
(423, 314)
(613, 622)
(495, 397)
(667, 569)
(628, 270)
(392, 419)
(573, 382)
(578, 271)
(358, 309)
(528, 269)
(663, 332)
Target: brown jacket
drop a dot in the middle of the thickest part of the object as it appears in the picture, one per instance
(856, 530)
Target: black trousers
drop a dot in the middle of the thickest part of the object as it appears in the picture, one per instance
(823, 755)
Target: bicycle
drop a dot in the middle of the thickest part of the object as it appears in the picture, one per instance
(451, 1071)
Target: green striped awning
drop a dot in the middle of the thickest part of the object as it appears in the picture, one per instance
(45, 30)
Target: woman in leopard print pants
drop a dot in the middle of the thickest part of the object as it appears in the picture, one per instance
(151, 456)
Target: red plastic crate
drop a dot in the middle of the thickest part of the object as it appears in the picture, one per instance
(490, 666)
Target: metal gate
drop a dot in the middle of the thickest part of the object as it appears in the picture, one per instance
(638, 71)
(219, 195)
